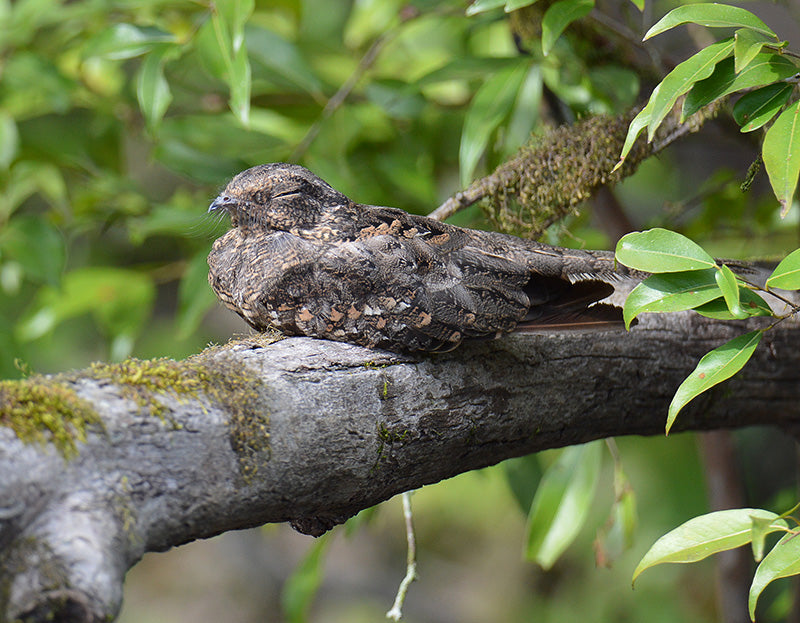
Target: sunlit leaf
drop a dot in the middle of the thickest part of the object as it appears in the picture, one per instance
(756, 108)
(639, 123)
(705, 535)
(765, 68)
(660, 250)
(683, 77)
(712, 15)
(558, 16)
(121, 41)
(671, 292)
(715, 366)
(782, 561)
(727, 283)
(786, 275)
(480, 6)
(492, 103)
(747, 44)
(562, 502)
(513, 5)
(781, 155)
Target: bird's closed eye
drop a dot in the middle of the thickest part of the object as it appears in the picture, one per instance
(286, 193)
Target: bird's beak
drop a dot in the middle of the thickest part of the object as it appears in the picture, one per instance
(221, 202)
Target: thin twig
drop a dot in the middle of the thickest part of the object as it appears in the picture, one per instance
(396, 613)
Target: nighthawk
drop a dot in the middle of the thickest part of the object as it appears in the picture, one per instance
(305, 259)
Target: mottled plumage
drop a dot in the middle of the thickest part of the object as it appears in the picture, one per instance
(305, 259)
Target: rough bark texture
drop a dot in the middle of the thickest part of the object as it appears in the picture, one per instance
(311, 432)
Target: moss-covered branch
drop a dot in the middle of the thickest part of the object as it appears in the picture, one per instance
(152, 454)
(551, 176)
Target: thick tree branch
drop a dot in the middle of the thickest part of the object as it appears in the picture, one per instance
(311, 432)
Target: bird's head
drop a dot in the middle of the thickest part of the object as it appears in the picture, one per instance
(277, 196)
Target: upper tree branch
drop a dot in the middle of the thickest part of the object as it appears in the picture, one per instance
(311, 432)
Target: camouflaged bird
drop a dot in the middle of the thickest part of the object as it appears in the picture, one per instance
(305, 259)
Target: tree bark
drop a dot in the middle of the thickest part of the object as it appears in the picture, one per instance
(311, 432)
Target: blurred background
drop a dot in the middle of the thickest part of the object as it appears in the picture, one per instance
(121, 120)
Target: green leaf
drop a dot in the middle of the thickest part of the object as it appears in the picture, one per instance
(766, 68)
(715, 366)
(754, 109)
(284, 59)
(37, 246)
(152, 89)
(119, 299)
(761, 527)
(513, 5)
(782, 561)
(560, 15)
(195, 297)
(662, 251)
(671, 292)
(9, 140)
(562, 502)
(523, 475)
(749, 302)
(122, 41)
(683, 77)
(467, 68)
(786, 275)
(727, 283)
(639, 4)
(491, 104)
(781, 155)
(705, 535)
(747, 44)
(712, 15)
(639, 123)
(300, 588)
(481, 6)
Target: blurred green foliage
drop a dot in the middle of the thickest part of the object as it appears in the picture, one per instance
(120, 120)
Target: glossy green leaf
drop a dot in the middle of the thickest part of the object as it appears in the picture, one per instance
(560, 15)
(9, 140)
(122, 41)
(302, 585)
(671, 292)
(747, 44)
(562, 502)
(712, 15)
(761, 527)
(480, 6)
(765, 68)
(152, 89)
(727, 283)
(715, 366)
(756, 108)
(639, 123)
(786, 275)
(749, 302)
(660, 250)
(781, 155)
(782, 561)
(705, 535)
(491, 105)
(683, 77)
(195, 297)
